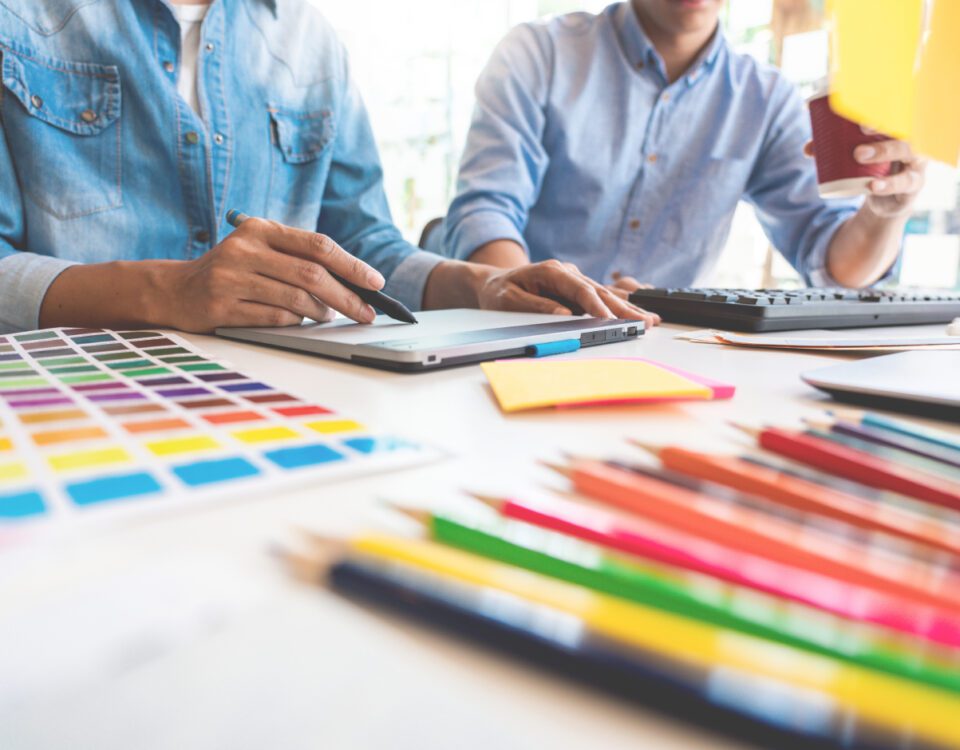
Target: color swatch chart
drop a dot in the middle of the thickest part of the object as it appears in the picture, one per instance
(92, 421)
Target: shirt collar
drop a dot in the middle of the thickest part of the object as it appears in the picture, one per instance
(641, 52)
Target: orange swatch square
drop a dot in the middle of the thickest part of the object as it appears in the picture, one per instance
(52, 437)
(232, 417)
(156, 425)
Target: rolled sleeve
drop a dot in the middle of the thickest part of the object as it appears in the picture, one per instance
(477, 228)
(409, 278)
(24, 280)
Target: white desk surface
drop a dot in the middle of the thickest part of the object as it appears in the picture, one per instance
(299, 667)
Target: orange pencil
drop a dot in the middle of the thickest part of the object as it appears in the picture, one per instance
(809, 497)
(763, 535)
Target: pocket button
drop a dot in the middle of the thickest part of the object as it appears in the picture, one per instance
(36, 101)
(88, 116)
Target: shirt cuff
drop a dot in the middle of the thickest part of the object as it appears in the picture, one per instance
(409, 279)
(817, 273)
(477, 229)
(24, 280)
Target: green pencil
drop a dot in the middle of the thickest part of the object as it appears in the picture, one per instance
(693, 595)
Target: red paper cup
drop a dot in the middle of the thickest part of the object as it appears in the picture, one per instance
(834, 139)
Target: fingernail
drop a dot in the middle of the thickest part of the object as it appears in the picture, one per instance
(866, 152)
(879, 185)
(560, 311)
(376, 279)
(370, 314)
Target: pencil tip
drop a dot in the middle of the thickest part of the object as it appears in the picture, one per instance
(563, 470)
(489, 500)
(420, 515)
(748, 429)
(656, 450)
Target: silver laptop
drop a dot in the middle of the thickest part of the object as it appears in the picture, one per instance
(921, 382)
(443, 338)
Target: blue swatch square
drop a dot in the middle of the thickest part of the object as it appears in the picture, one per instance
(375, 445)
(21, 505)
(308, 455)
(241, 387)
(117, 487)
(210, 472)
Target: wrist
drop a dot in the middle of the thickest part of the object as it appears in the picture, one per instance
(455, 283)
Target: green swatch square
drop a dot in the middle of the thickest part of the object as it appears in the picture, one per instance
(25, 383)
(39, 336)
(129, 364)
(180, 360)
(202, 367)
(21, 365)
(63, 361)
(169, 350)
(58, 371)
(77, 379)
(113, 357)
(148, 372)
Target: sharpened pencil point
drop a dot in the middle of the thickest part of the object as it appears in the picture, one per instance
(490, 501)
(656, 450)
(420, 515)
(749, 430)
(563, 470)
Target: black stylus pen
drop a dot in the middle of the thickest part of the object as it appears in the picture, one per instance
(382, 302)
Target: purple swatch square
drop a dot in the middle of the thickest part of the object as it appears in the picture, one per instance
(40, 402)
(183, 392)
(28, 392)
(114, 386)
(124, 396)
(241, 387)
(164, 381)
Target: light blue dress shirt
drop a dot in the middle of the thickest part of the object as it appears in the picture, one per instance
(101, 159)
(580, 150)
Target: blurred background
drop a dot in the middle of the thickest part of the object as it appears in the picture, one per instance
(416, 64)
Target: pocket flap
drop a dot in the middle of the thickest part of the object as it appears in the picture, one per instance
(81, 98)
(302, 136)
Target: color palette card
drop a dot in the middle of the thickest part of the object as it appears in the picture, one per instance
(524, 384)
(95, 422)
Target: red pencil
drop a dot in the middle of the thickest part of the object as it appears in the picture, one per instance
(663, 544)
(857, 465)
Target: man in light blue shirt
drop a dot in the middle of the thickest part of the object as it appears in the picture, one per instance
(114, 184)
(622, 142)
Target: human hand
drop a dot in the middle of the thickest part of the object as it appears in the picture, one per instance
(624, 286)
(553, 287)
(893, 196)
(265, 274)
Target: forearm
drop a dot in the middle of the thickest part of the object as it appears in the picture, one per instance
(864, 248)
(121, 294)
(500, 253)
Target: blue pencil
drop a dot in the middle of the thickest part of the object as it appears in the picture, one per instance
(897, 427)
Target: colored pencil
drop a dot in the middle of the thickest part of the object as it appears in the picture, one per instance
(856, 465)
(689, 594)
(719, 699)
(768, 537)
(663, 544)
(889, 701)
(893, 454)
(933, 437)
(808, 496)
(889, 439)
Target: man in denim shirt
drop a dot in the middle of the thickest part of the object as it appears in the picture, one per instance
(128, 129)
(623, 141)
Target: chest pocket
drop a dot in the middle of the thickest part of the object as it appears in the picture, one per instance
(300, 164)
(62, 121)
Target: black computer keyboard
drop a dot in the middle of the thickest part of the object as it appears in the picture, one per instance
(791, 310)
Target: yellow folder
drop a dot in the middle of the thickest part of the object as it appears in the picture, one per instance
(895, 67)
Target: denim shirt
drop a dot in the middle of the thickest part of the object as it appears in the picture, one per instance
(580, 149)
(101, 159)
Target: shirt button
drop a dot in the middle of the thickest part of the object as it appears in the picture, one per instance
(665, 97)
(169, 67)
(88, 115)
(209, 47)
(634, 224)
(192, 138)
(219, 139)
(203, 236)
(652, 158)
(36, 101)
(640, 65)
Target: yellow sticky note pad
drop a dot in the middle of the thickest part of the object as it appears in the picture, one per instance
(86, 459)
(895, 66)
(534, 384)
(331, 426)
(266, 434)
(182, 445)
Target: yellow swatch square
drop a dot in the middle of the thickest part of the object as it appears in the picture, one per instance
(9, 472)
(183, 445)
(332, 426)
(85, 459)
(535, 384)
(266, 434)
(6, 444)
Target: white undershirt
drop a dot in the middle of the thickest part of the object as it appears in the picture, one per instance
(191, 19)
